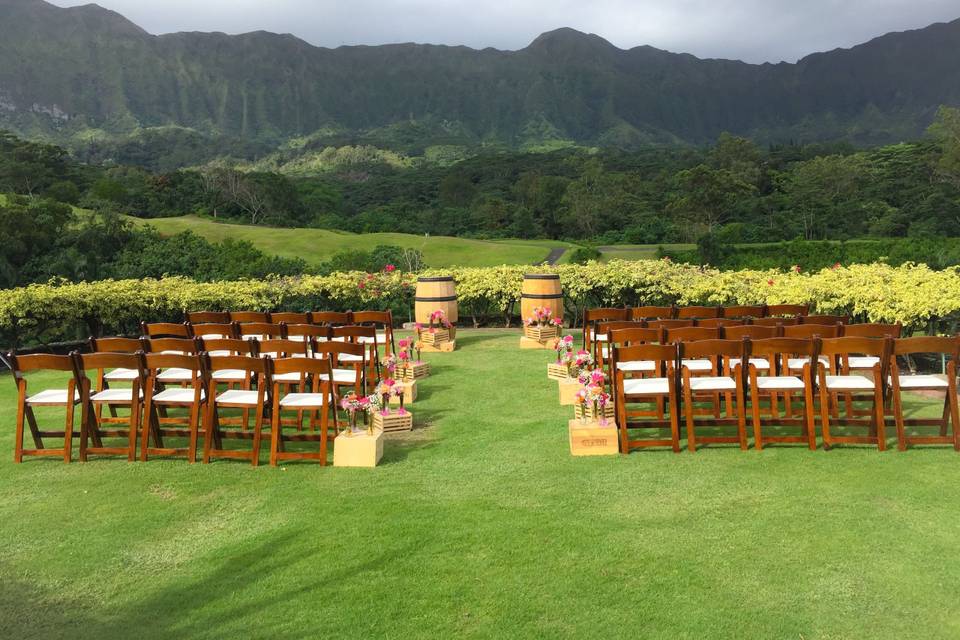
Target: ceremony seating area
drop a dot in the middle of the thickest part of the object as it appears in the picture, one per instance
(216, 377)
(721, 368)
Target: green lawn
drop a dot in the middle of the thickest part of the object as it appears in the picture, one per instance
(480, 524)
(639, 251)
(316, 245)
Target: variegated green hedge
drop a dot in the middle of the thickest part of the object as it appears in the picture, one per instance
(910, 294)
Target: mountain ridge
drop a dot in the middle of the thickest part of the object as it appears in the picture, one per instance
(80, 73)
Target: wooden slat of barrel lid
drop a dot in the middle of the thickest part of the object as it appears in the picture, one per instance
(435, 293)
(541, 290)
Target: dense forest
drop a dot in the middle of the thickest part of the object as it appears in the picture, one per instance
(725, 194)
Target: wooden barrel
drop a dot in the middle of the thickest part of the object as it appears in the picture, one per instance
(435, 293)
(541, 290)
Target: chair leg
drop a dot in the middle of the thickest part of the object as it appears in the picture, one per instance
(147, 424)
(825, 418)
(68, 432)
(622, 424)
(34, 428)
(954, 417)
(943, 420)
(688, 410)
(18, 442)
(898, 419)
(878, 418)
(755, 410)
(741, 419)
(808, 415)
(324, 427)
(134, 427)
(194, 432)
(257, 431)
(274, 434)
(209, 428)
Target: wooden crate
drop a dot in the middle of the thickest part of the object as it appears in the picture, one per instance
(527, 343)
(558, 371)
(541, 334)
(358, 449)
(414, 371)
(409, 393)
(438, 336)
(446, 347)
(568, 391)
(608, 411)
(393, 422)
(592, 440)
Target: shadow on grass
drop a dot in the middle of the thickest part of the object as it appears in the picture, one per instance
(465, 340)
(227, 602)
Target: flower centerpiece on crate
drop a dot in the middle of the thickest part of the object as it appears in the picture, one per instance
(381, 415)
(569, 362)
(353, 404)
(542, 326)
(437, 331)
(593, 402)
(408, 367)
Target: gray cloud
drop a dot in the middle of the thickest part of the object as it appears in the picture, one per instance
(751, 30)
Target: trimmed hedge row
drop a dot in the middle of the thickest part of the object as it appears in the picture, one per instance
(914, 295)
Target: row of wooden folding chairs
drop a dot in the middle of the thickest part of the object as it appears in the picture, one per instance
(652, 370)
(381, 320)
(175, 376)
(705, 315)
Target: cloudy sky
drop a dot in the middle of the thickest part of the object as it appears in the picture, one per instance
(751, 30)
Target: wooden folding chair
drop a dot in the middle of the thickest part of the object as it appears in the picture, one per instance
(308, 333)
(235, 379)
(777, 310)
(601, 341)
(744, 311)
(824, 320)
(858, 363)
(365, 336)
(315, 394)
(124, 376)
(761, 364)
(281, 348)
(244, 317)
(157, 399)
(593, 316)
(383, 322)
(260, 330)
(697, 366)
(840, 349)
(947, 348)
(289, 317)
(349, 363)
(696, 387)
(255, 401)
(215, 330)
(331, 318)
(208, 317)
(697, 312)
(775, 352)
(91, 422)
(631, 337)
(166, 330)
(652, 313)
(67, 398)
(631, 390)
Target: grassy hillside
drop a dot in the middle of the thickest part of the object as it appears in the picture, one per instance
(316, 245)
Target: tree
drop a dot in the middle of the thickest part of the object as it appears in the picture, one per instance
(823, 193)
(946, 129)
(707, 196)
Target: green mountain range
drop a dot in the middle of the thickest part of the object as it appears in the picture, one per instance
(85, 74)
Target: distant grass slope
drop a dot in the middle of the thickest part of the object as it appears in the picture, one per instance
(316, 245)
(639, 251)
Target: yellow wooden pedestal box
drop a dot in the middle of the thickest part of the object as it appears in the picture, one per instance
(358, 449)
(593, 440)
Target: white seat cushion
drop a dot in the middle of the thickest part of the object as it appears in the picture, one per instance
(220, 354)
(605, 352)
(920, 382)
(637, 365)
(121, 375)
(646, 386)
(862, 362)
(172, 352)
(230, 375)
(697, 365)
(848, 383)
(234, 396)
(346, 357)
(797, 363)
(345, 376)
(293, 376)
(761, 364)
(175, 375)
(114, 395)
(381, 339)
(305, 400)
(253, 337)
(709, 383)
(52, 396)
(779, 383)
(600, 337)
(176, 396)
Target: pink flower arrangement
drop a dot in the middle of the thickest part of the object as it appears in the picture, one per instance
(543, 317)
(390, 268)
(438, 319)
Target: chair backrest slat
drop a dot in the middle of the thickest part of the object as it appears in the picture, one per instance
(289, 317)
(222, 329)
(652, 313)
(774, 310)
(244, 317)
(872, 330)
(752, 331)
(208, 317)
(331, 318)
(744, 311)
(166, 330)
(698, 312)
(689, 334)
(156, 345)
(811, 330)
(115, 345)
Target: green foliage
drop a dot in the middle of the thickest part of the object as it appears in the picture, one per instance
(583, 255)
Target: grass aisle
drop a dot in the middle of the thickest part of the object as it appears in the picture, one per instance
(482, 525)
